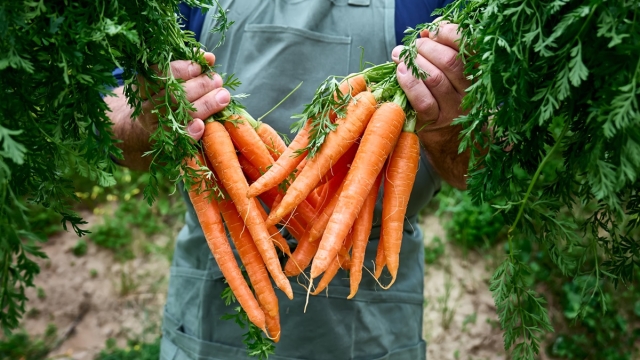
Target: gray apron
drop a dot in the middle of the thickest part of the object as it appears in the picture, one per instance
(273, 46)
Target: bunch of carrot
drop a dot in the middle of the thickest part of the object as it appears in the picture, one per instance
(356, 137)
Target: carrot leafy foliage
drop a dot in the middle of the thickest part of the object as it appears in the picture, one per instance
(558, 84)
(56, 63)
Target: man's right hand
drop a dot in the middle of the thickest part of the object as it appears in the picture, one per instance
(205, 93)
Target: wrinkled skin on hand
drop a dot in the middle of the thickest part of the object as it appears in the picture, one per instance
(205, 92)
(437, 100)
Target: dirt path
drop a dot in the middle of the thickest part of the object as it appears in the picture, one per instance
(101, 298)
(460, 316)
(96, 295)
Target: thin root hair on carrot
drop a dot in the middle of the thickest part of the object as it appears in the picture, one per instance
(374, 277)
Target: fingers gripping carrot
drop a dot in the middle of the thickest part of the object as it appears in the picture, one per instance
(222, 155)
(360, 236)
(377, 143)
(399, 179)
(211, 222)
(335, 145)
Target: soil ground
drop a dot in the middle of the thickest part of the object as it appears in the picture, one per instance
(95, 297)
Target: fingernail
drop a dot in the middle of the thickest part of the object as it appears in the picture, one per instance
(223, 97)
(402, 69)
(194, 70)
(395, 53)
(195, 127)
(217, 80)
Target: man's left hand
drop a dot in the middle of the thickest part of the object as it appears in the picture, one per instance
(437, 99)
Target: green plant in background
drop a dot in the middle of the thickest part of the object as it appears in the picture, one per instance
(132, 218)
(468, 224)
(80, 248)
(21, 346)
(135, 350)
(41, 294)
(602, 327)
(434, 251)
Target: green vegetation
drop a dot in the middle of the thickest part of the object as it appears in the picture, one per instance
(258, 345)
(41, 293)
(80, 248)
(56, 62)
(135, 350)
(469, 225)
(133, 218)
(20, 345)
(557, 82)
(434, 251)
(603, 327)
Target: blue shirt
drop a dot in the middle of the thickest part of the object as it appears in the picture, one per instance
(409, 13)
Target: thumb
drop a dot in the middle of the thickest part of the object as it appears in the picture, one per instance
(196, 129)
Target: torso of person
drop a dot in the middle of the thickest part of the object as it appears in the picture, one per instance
(272, 47)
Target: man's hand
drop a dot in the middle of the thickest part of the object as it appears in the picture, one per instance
(205, 93)
(437, 100)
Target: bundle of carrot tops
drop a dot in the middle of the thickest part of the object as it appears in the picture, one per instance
(355, 136)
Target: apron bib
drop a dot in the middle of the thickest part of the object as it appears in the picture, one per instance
(273, 46)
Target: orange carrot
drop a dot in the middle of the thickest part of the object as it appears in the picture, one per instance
(286, 163)
(301, 256)
(271, 140)
(269, 197)
(377, 143)
(248, 142)
(353, 85)
(381, 260)
(276, 237)
(211, 223)
(321, 192)
(398, 183)
(290, 157)
(314, 199)
(273, 327)
(335, 145)
(342, 165)
(295, 228)
(308, 245)
(252, 173)
(250, 258)
(303, 214)
(336, 264)
(343, 255)
(222, 155)
(360, 236)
